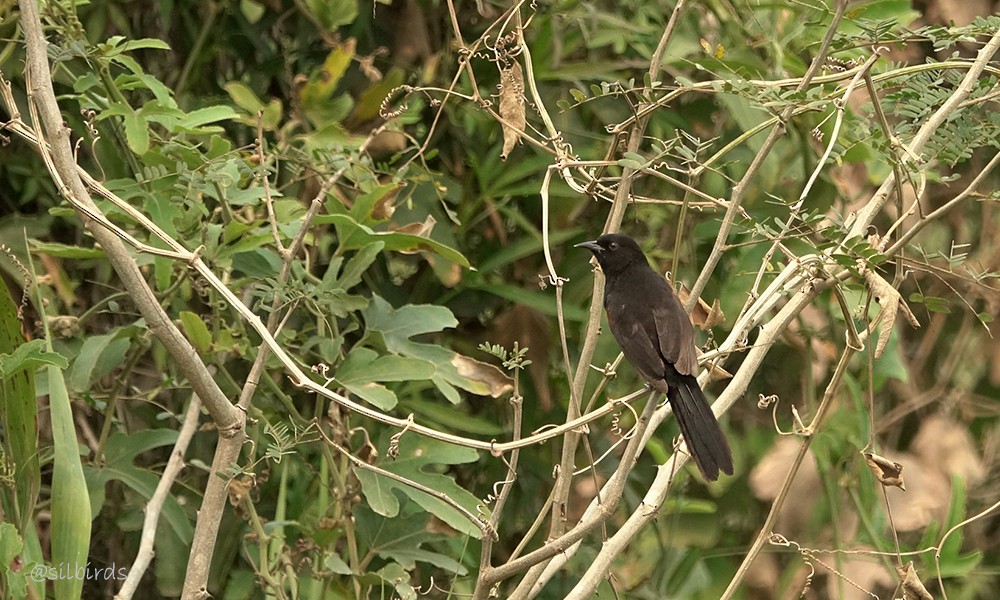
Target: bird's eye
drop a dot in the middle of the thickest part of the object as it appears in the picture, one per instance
(613, 245)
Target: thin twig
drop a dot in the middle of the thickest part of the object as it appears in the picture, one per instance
(741, 188)
(144, 556)
(766, 529)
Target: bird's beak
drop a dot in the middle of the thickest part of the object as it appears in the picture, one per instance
(592, 245)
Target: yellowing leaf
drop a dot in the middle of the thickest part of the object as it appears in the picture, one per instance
(323, 81)
(489, 380)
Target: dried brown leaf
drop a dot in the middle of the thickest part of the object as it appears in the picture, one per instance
(511, 106)
(913, 589)
(717, 373)
(420, 228)
(703, 315)
(891, 301)
(386, 205)
(238, 490)
(886, 471)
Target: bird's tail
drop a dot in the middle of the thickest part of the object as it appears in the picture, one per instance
(701, 430)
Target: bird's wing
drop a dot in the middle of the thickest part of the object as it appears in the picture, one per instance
(674, 332)
(634, 329)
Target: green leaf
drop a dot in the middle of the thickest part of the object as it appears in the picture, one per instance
(65, 250)
(355, 235)
(11, 553)
(244, 97)
(209, 114)
(363, 367)
(363, 204)
(136, 132)
(19, 424)
(259, 264)
(370, 102)
(28, 357)
(393, 576)
(398, 325)
(162, 93)
(375, 394)
(122, 449)
(119, 465)
(953, 563)
(326, 117)
(253, 11)
(336, 565)
(892, 365)
(451, 419)
(323, 82)
(359, 263)
(417, 459)
(143, 43)
(98, 355)
(333, 13)
(630, 164)
(409, 557)
(271, 118)
(196, 331)
(71, 515)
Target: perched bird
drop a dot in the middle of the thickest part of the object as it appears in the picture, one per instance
(656, 336)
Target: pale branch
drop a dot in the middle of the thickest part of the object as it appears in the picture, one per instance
(660, 487)
(58, 154)
(566, 468)
(144, 556)
(611, 495)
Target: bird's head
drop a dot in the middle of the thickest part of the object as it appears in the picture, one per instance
(615, 252)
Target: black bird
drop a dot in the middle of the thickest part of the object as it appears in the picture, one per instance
(656, 336)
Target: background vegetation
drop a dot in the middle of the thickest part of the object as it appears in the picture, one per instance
(322, 250)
